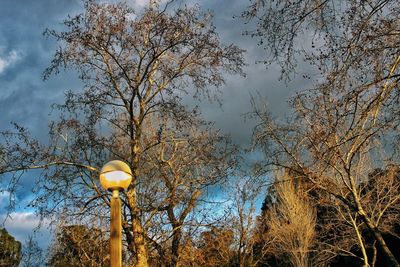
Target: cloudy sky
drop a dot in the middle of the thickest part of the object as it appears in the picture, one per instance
(26, 99)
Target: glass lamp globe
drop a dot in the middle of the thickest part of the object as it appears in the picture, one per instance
(115, 175)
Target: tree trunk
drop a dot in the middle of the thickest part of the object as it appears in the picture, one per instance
(378, 237)
(176, 240)
(141, 252)
(389, 255)
(115, 231)
(138, 235)
(138, 238)
(371, 226)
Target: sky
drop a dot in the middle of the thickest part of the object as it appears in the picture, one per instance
(26, 99)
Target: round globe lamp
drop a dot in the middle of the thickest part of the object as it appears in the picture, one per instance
(115, 175)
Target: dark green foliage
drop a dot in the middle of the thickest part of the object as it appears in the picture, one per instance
(10, 250)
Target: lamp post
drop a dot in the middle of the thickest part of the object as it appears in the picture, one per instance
(115, 176)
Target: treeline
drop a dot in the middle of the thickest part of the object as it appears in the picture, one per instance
(299, 226)
(328, 174)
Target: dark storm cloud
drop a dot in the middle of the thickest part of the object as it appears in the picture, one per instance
(260, 81)
(26, 99)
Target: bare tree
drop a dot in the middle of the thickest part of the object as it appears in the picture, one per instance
(215, 246)
(134, 67)
(246, 191)
(78, 245)
(341, 129)
(190, 158)
(338, 37)
(32, 253)
(291, 223)
(336, 149)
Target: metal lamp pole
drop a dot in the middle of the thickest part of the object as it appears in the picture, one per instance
(115, 231)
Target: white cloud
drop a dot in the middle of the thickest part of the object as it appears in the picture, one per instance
(22, 221)
(8, 60)
(3, 195)
(140, 3)
(21, 225)
(143, 3)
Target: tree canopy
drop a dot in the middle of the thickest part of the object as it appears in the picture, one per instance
(134, 68)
